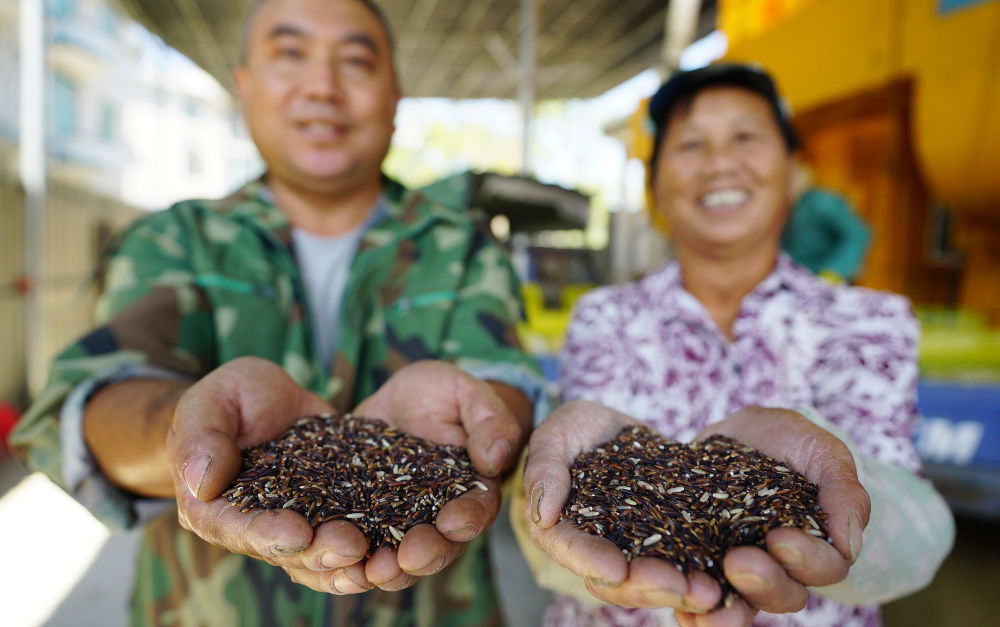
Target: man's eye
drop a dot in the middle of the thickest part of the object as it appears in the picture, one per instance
(293, 54)
(690, 145)
(745, 136)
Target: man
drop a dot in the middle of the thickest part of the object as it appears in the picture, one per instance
(303, 292)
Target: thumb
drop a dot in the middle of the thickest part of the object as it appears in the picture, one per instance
(495, 436)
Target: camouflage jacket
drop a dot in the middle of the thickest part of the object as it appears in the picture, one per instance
(204, 282)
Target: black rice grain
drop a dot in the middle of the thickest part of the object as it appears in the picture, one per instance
(360, 470)
(687, 503)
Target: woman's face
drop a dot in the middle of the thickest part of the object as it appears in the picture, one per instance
(724, 176)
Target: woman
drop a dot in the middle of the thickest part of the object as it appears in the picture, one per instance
(732, 324)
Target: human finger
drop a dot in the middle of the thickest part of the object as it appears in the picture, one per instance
(738, 614)
(242, 403)
(807, 559)
(276, 536)
(336, 543)
(654, 583)
(341, 581)
(384, 572)
(571, 429)
(762, 582)
(591, 557)
(424, 551)
(816, 453)
(464, 518)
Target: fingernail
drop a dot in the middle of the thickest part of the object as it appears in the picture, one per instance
(332, 559)
(194, 472)
(536, 501)
(400, 581)
(278, 549)
(432, 566)
(750, 582)
(467, 531)
(662, 598)
(341, 576)
(687, 607)
(602, 583)
(497, 455)
(789, 555)
(854, 530)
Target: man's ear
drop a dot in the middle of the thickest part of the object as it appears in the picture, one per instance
(240, 78)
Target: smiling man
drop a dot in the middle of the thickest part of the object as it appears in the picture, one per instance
(319, 286)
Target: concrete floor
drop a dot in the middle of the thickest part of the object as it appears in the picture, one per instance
(965, 592)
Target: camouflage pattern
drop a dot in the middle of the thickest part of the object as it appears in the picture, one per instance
(204, 282)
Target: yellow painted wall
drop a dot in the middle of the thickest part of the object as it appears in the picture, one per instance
(827, 50)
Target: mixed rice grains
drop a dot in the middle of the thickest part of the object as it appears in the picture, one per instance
(332, 467)
(684, 503)
(687, 503)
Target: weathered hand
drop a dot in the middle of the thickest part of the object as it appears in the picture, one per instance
(775, 580)
(772, 580)
(246, 402)
(438, 402)
(571, 429)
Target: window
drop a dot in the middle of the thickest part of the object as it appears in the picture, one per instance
(109, 22)
(64, 103)
(62, 8)
(108, 124)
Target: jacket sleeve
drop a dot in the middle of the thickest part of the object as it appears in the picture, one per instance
(481, 334)
(151, 319)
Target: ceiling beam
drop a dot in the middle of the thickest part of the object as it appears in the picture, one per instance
(414, 33)
(444, 67)
(205, 41)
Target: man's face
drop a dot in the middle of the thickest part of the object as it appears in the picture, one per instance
(724, 175)
(319, 92)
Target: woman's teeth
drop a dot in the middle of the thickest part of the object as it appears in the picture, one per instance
(724, 198)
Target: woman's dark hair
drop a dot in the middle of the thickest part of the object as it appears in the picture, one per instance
(680, 90)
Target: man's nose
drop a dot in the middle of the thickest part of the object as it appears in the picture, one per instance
(323, 81)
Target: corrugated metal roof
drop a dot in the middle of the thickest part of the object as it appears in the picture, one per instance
(459, 48)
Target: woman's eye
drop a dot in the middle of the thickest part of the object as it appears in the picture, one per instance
(745, 136)
(360, 62)
(690, 145)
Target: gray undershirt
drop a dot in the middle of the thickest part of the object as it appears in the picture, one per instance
(324, 262)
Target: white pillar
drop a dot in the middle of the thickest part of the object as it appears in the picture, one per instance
(679, 32)
(32, 173)
(526, 78)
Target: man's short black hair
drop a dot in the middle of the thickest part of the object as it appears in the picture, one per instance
(679, 91)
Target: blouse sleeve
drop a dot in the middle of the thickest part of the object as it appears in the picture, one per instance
(592, 355)
(865, 375)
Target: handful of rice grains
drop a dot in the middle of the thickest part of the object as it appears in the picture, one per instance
(333, 467)
(687, 503)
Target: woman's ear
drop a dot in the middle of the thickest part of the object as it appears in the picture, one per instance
(799, 177)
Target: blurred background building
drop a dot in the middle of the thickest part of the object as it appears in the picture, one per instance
(535, 111)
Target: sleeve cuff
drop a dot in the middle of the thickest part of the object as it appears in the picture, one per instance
(910, 531)
(534, 387)
(83, 478)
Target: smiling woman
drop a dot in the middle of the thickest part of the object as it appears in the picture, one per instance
(727, 339)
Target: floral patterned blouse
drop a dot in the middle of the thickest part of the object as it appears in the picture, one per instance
(651, 350)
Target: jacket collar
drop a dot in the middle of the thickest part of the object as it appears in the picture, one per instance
(406, 212)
